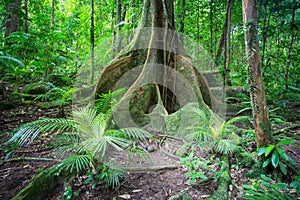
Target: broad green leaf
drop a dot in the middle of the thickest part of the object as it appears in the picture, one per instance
(266, 178)
(284, 142)
(281, 153)
(261, 151)
(269, 149)
(275, 159)
(266, 162)
(282, 168)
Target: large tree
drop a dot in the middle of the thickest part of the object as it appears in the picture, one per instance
(259, 107)
(12, 20)
(155, 51)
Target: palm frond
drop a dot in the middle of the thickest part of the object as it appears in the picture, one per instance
(200, 134)
(28, 132)
(136, 133)
(76, 162)
(85, 120)
(225, 146)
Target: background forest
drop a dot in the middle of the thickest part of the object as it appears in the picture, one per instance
(45, 43)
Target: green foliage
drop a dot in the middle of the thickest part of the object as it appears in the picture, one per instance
(215, 133)
(275, 156)
(266, 188)
(75, 163)
(296, 185)
(104, 174)
(198, 169)
(69, 193)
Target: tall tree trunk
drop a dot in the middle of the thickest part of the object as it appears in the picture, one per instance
(267, 16)
(227, 58)
(259, 108)
(198, 21)
(153, 54)
(225, 28)
(26, 17)
(290, 47)
(211, 33)
(118, 26)
(181, 28)
(52, 12)
(92, 37)
(13, 10)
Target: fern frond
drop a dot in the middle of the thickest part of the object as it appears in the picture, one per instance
(107, 101)
(28, 132)
(76, 162)
(5, 59)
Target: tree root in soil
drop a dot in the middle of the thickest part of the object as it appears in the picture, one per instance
(222, 192)
(42, 184)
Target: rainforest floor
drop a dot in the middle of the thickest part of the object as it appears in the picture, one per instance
(19, 166)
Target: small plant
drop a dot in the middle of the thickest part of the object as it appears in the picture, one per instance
(199, 170)
(266, 188)
(69, 193)
(106, 175)
(275, 156)
(296, 185)
(91, 136)
(215, 132)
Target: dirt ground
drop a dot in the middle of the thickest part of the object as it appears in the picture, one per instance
(16, 173)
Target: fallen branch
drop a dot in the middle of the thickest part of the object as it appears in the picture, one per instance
(149, 168)
(40, 186)
(30, 159)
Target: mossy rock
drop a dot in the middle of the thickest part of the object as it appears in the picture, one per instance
(4, 105)
(185, 117)
(34, 88)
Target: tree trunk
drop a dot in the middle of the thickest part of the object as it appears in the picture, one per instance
(181, 28)
(265, 30)
(154, 57)
(227, 44)
(52, 12)
(26, 17)
(211, 32)
(92, 35)
(286, 78)
(13, 10)
(257, 94)
(225, 28)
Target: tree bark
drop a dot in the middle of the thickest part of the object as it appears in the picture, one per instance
(224, 33)
(92, 37)
(26, 17)
(181, 28)
(163, 48)
(211, 33)
(52, 12)
(265, 30)
(12, 16)
(286, 78)
(227, 44)
(257, 94)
